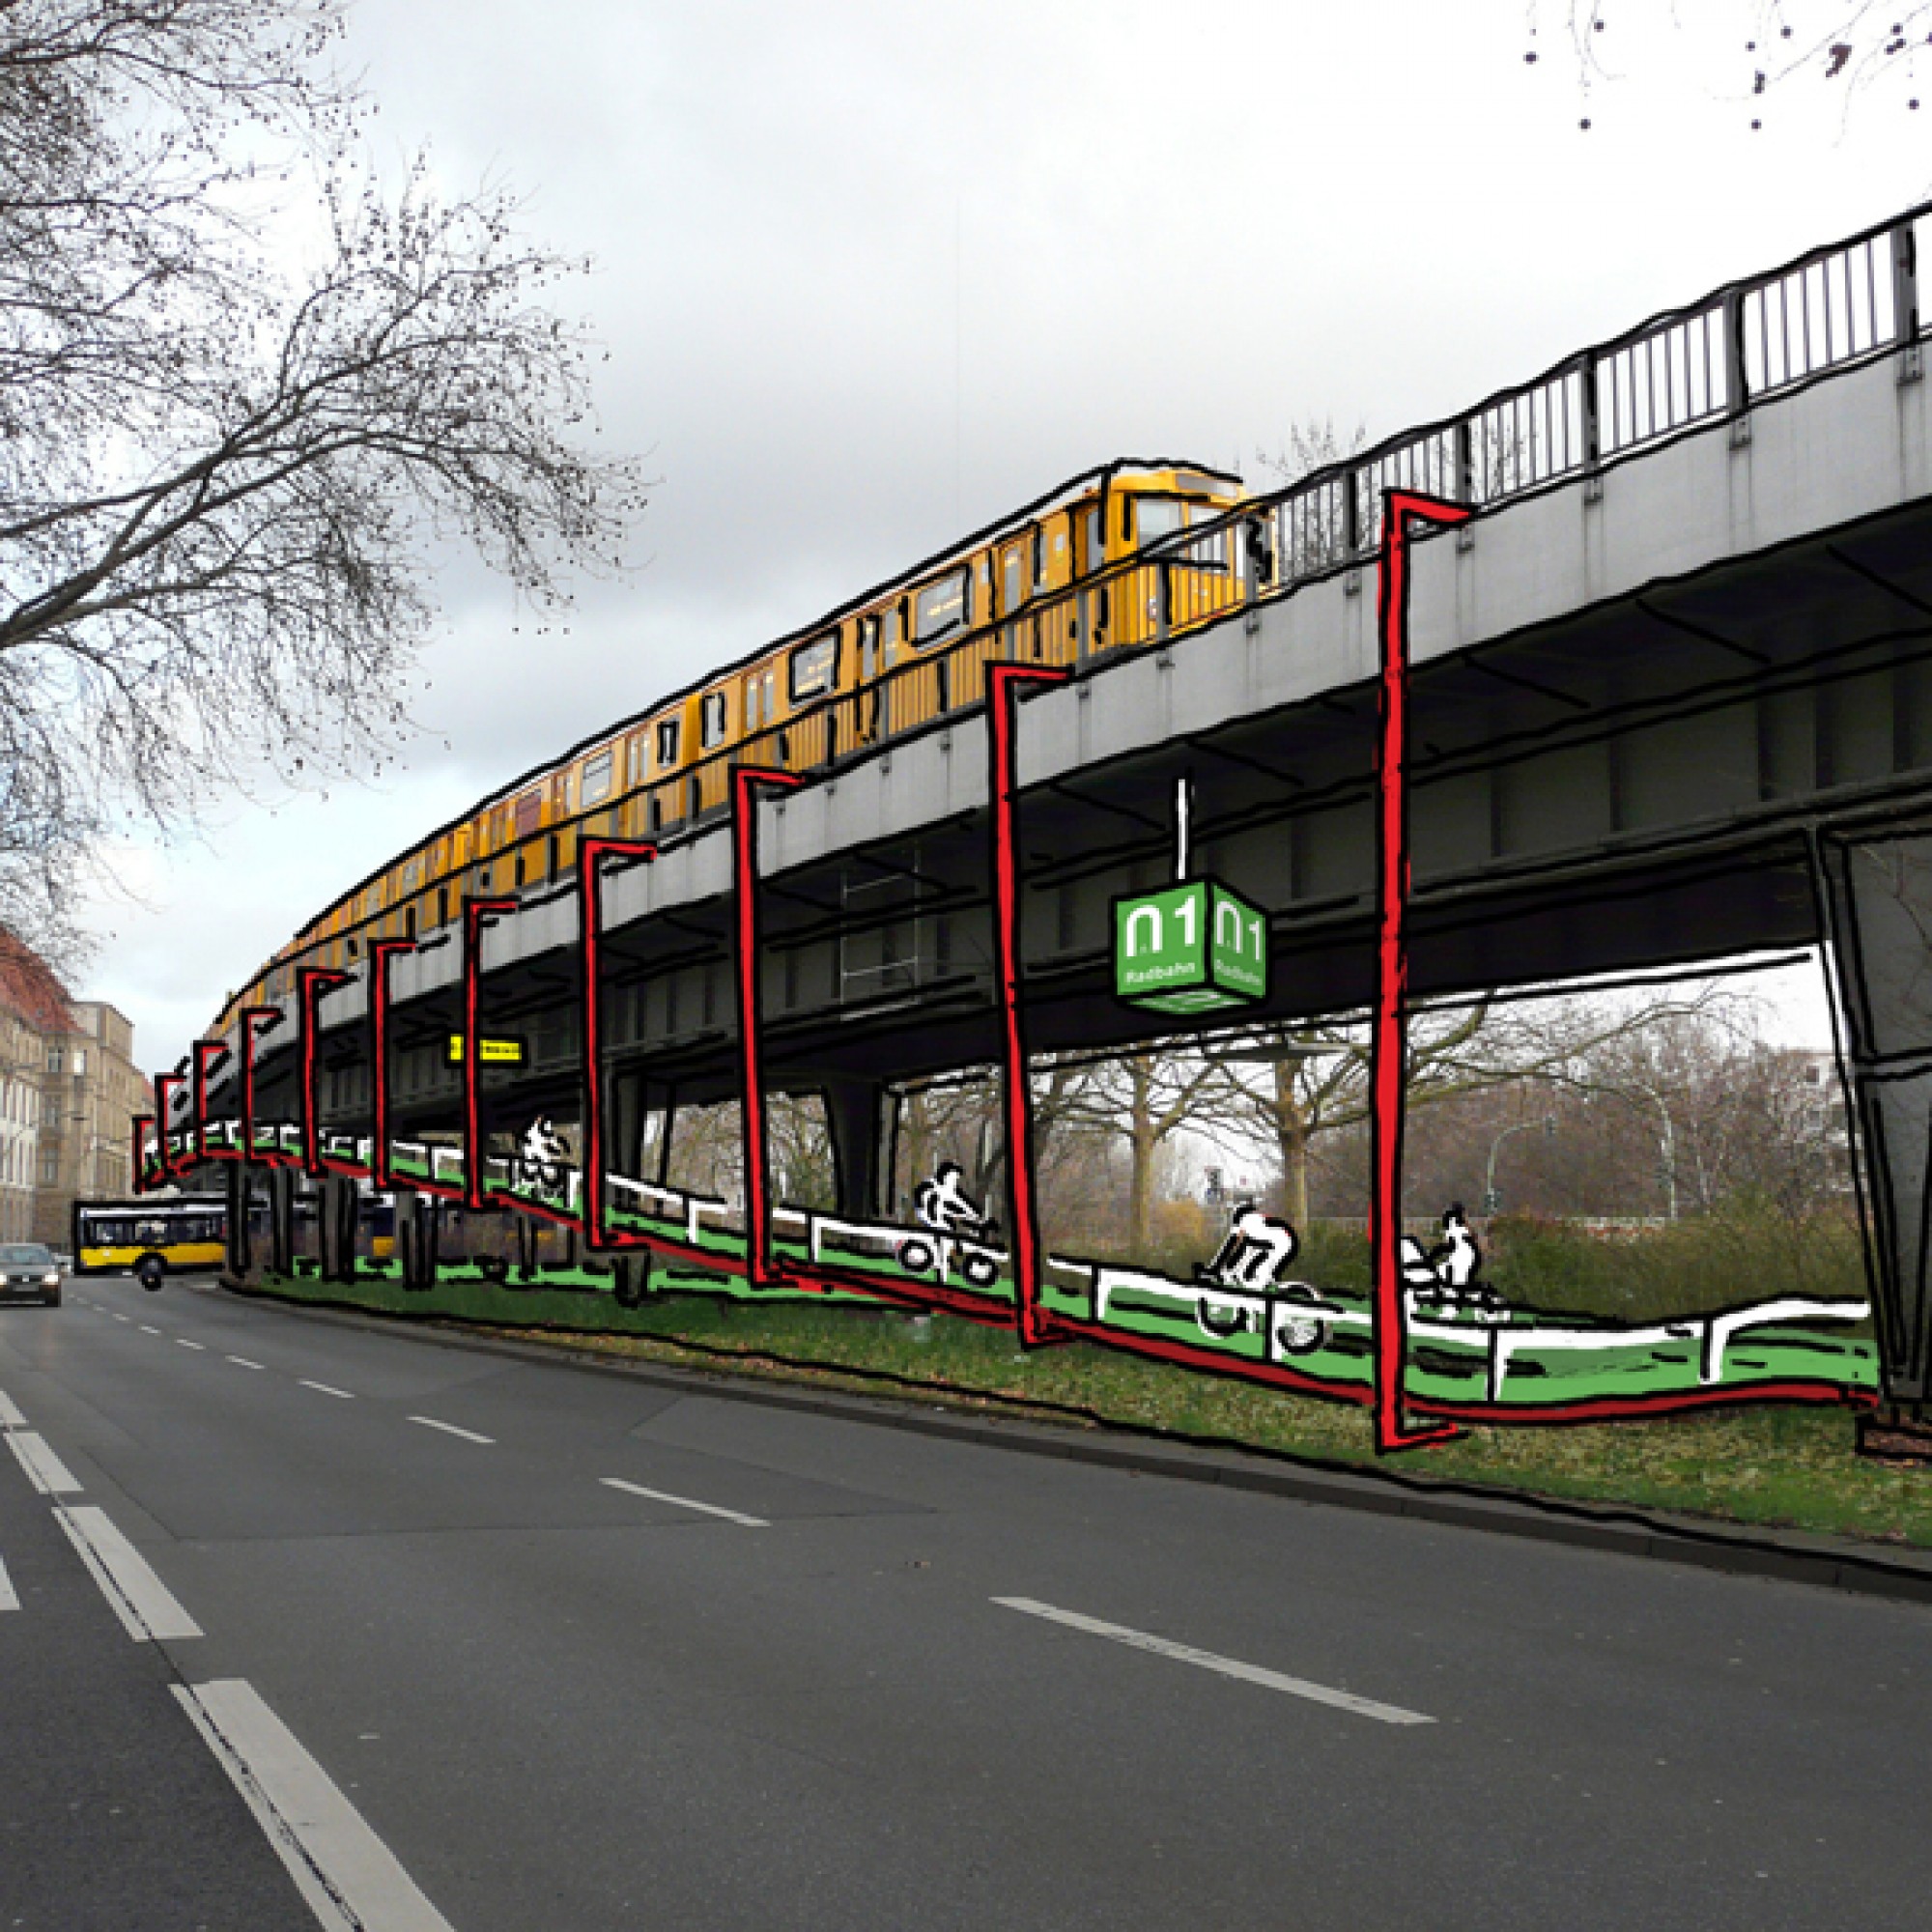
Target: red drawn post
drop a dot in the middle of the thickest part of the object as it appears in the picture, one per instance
(475, 911)
(164, 1084)
(311, 982)
(381, 953)
(746, 779)
(251, 1018)
(1389, 1043)
(206, 1052)
(1003, 681)
(590, 856)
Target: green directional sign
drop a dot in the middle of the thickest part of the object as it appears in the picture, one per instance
(1189, 950)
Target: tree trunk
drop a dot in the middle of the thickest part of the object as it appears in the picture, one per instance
(1290, 1132)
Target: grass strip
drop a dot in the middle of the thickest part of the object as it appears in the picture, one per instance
(1771, 1467)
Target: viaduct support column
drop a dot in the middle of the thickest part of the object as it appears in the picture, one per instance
(239, 1195)
(1878, 900)
(281, 1184)
(854, 1117)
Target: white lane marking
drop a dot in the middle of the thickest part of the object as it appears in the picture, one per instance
(325, 1388)
(9, 1601)
(1227, 1667)
(45, 1469)
(450, 1429)
(241, 1361)
(146, 1330)
(9, 1417)
(683, 1502)
(143, 1602)
(350, 1879)
(182, 1342)
(124, 1318)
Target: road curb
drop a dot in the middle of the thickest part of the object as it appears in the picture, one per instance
(1776, 1556)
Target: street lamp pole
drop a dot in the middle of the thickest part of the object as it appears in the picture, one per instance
(1549, 1126)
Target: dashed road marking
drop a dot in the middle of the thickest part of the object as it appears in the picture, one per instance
(45, 1469)
(182, 1342)
(1227, 1666)
(684, 1502)
(241, 1361)
(325, 1389)
(9, 1417)
(450, 1429)
(144, 1603)
(146, 1330)
(8, 1599)
(350, 1879)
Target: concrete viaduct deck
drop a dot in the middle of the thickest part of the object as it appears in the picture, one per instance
(1671, 700)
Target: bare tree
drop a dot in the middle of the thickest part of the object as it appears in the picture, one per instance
(1852, 44)
(223, 479)
(1311, 1079)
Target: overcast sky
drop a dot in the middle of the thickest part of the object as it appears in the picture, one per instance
(871, 274)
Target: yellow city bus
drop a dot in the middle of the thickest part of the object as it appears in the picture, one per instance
(112, 1236)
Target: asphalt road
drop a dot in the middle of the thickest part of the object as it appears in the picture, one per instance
(803, 1672)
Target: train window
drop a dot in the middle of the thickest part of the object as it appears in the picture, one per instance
(1013, 587)
(667, 737)
(411, 874)
(633, 760)
(869, 662)
(1207, 552)
(815, 667)
(1097, 540)
(530, 813)
(597, 779)
(713, 718)
(942, 608)
(1159, 517)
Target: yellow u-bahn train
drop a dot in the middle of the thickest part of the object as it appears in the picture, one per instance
(1063, 579)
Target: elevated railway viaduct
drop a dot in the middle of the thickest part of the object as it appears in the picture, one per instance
(1670, 701)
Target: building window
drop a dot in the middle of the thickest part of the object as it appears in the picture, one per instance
(49, 1169)
(53, 1060)
(79, 1061)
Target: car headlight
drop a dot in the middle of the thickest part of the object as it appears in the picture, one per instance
(50, 1281)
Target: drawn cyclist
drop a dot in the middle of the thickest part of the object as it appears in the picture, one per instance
(543, 1158)
(943, 1205)
(1258, 1248)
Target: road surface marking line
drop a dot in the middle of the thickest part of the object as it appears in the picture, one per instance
(9, 1417)
(450, 1429)
(143, 1602)
(350, 1879)
(325, 1388)
(9, 1601)
(146, 1330)
(683, 1502)
(45, 1469)
(1227, 1666)
(124, 1318)
(182, 1342)
(241, 1361)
